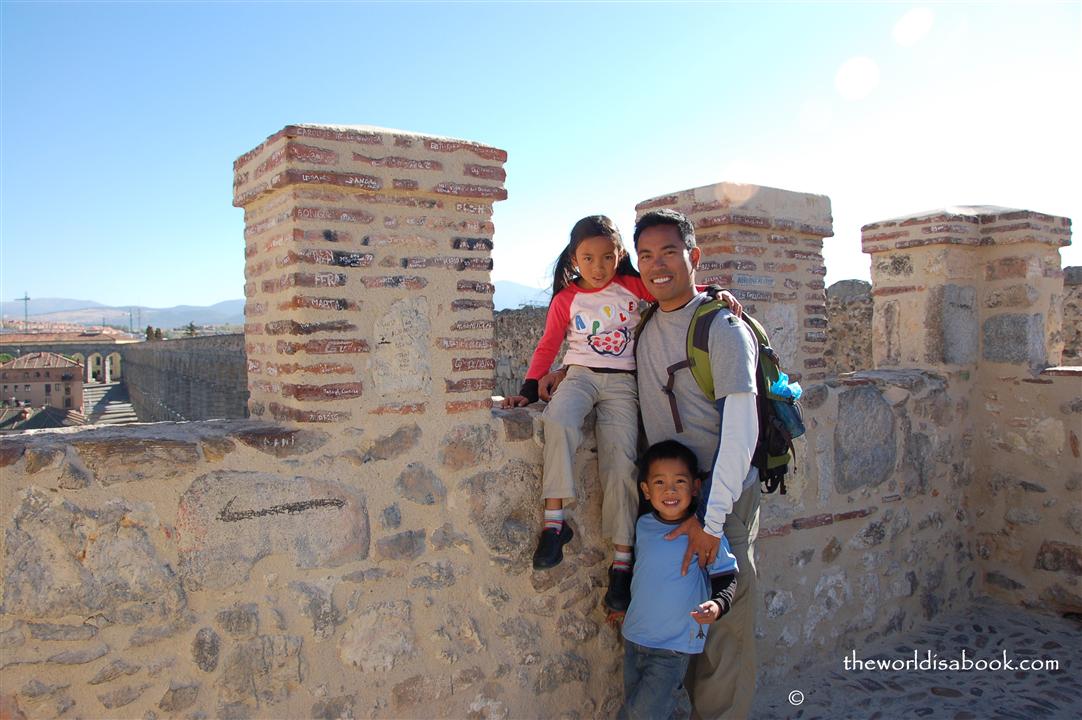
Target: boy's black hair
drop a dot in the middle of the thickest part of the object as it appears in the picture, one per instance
(591, 226)
(668, 450)
(666, 217)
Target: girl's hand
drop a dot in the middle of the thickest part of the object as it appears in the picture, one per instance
(514, 401)
(734, 305)
(547, 385)
(707, 613)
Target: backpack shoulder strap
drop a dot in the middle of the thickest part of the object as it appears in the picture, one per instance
(698, 345)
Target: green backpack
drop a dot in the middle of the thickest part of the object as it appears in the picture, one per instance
(780, 416)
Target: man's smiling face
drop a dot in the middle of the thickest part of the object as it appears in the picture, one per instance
(667, 265)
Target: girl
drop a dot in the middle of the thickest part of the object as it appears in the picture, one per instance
(595, 305)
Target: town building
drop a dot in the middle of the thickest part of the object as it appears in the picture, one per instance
(42, 379)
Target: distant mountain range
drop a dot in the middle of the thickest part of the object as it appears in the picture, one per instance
(230, 312)
(89, 312)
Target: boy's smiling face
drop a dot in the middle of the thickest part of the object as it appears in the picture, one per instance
(670, 487)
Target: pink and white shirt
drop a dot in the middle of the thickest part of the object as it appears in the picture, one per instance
(598, 324)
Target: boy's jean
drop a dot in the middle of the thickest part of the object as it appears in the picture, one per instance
(653, 683)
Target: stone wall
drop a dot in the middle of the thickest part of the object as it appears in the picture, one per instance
(1072, 315)
(849, 333)
(516, 336)
(1027, 497)
(245, 569)
(200, 378)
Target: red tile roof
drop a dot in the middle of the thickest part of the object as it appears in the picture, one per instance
(38, 360)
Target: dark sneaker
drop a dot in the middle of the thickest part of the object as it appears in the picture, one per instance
(550, 547)
(618, 597)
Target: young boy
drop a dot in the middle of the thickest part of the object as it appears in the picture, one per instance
(664, 624)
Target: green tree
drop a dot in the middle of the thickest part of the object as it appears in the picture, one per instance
(5, 357)
(189, 329)
(150, 333)
(157, 333)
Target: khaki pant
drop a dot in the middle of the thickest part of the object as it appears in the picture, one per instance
(615, 396)
(721, 680)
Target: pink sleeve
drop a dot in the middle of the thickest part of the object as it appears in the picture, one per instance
(556, 322)
(636, 286)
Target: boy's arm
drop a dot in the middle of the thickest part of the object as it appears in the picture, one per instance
(722, 590)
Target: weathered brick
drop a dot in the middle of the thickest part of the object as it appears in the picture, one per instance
(488, 153)
(323, 256)
(332, 391)
(475, 286)
(298, 302)
(816, 284)
(284, 413)
(815, 309)
(752, 295)
(471, 243)
(384, 240)
(820, 270)
(292, 327)
(470, 190)
(815, 363)
(458, 406)
(801, 255)
(410, 282)
(323, 279)
(466, 304)
(780, 268)
(449, 262)
(404, 184)
(839, 517)
(780, 531)
(815, 322)
(253, 328)
(352, 215)
(311, 154)
(399, 409)
(470, 385)
(464, 343)
(398, 163)
(324, 347)
(813, 521)
(784, 297)
(461, 325)
(485, 172)
(254, 308)
(815, 336)
(473, 208)
(275, 369)
(363, 137)
(468, 364)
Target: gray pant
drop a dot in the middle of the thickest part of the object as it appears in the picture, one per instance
(615, 396)
(721, 679)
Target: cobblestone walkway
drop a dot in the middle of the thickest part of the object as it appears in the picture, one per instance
(986, 630)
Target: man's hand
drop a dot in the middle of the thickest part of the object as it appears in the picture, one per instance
(514, 401)
(547, 385)
(734, 305)
(700, 543)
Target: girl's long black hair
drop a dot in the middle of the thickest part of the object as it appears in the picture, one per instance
(593, 226)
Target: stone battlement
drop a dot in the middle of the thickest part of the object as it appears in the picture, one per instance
(361, 546)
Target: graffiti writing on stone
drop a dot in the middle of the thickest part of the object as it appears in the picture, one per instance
(228, 514)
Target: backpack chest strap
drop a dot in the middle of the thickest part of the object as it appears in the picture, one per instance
(667, 388)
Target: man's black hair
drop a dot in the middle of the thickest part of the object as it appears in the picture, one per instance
(668, 450)
(666, 217)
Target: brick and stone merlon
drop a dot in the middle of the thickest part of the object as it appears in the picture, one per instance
(371, 248)
(766, 246)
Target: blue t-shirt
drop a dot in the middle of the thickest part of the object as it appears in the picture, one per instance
(661, 599)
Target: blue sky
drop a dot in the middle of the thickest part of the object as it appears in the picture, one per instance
(120, 121)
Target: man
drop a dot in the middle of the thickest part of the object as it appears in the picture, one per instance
(722, 431)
